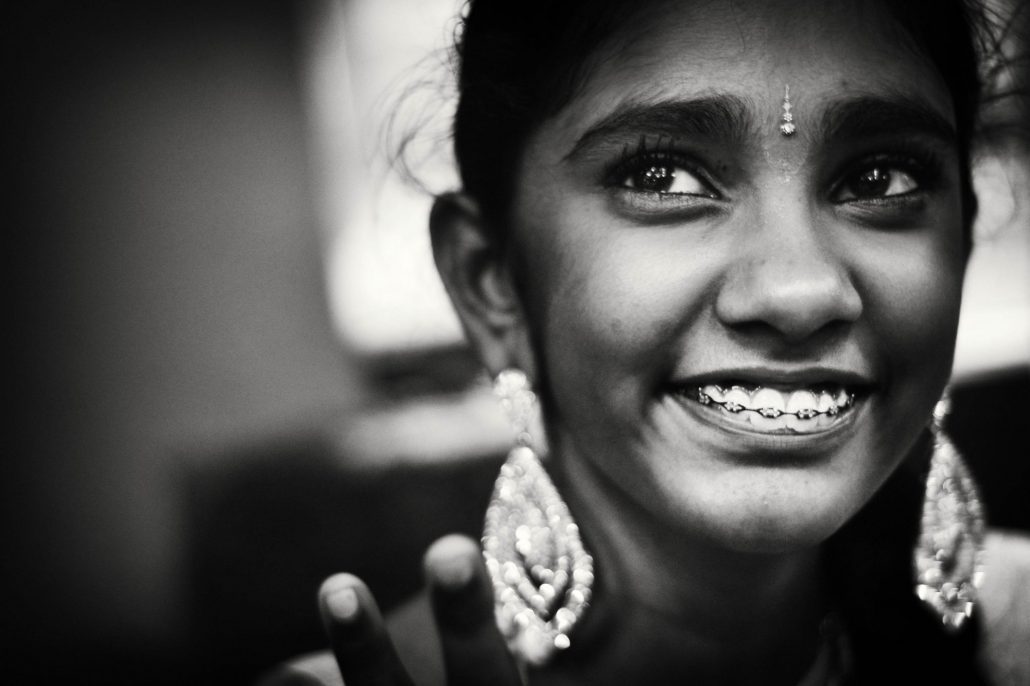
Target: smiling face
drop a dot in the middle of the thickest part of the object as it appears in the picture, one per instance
(739, 331)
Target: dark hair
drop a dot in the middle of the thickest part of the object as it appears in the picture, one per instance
(521, 61)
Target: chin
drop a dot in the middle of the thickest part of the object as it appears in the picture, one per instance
(776, 515)
(777, 534)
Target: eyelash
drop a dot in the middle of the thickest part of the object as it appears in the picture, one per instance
(924, 166)
(658, 153)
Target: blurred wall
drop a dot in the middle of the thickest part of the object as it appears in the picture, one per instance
(168, 299)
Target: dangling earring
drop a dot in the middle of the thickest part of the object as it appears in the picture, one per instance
(542, 575)
(948, 557)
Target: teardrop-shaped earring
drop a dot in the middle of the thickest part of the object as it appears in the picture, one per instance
(542, 576)
(948, 556)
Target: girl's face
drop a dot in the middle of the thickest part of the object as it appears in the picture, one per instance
(744, 332)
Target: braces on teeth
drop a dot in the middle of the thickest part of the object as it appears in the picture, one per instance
(772, 412)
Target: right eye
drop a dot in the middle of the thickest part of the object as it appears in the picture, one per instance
(662, 176)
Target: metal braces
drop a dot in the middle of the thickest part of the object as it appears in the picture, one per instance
(772, 412)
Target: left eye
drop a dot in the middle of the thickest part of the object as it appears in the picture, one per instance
(880, 181)
(665, 178)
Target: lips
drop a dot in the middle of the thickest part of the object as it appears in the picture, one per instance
(779, 407)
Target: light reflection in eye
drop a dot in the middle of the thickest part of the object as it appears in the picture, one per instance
(665, 178)
(878, 182)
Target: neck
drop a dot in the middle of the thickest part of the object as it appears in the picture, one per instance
(717, 611)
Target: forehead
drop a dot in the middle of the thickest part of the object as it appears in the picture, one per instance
(826, 51)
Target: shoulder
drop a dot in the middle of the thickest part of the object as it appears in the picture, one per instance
(1005, 605)
(414, 635)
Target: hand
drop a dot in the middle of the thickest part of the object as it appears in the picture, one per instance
(461, 596)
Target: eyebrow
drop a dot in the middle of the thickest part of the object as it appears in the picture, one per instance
(871, 116)
(729, 118)
(722, 117)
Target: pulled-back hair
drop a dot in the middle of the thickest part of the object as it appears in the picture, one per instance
(520, 62)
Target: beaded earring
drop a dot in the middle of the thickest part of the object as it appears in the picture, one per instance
(948, 556)
(542, 576)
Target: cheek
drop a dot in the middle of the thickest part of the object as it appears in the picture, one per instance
(608, 306)
(912, 287)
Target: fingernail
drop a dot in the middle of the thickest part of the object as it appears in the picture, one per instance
(343, 604)
(453, 573)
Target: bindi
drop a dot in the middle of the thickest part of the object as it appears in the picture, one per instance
(787, 127)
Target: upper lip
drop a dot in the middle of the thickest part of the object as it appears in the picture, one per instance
(787, 377)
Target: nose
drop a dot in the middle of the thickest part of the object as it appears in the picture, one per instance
(788, 278)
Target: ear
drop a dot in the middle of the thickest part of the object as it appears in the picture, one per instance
(479, 283)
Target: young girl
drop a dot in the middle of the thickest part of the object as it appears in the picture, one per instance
(723, 245)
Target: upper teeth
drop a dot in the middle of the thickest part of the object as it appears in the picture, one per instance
(769, 402)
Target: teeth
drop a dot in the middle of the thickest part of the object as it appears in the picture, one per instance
(802, 409)
(803, 404)
(714, 392)
(763, 422)
(736, 399)
(768, 403)
(771, 409)
(826, 404)
(799, 424)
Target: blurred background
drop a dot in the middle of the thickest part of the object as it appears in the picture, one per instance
(233, 370)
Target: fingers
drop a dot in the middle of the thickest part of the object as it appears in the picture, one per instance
(359, 640)
(462, 599)
(463, 606)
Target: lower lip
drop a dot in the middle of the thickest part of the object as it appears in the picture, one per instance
(754, 441)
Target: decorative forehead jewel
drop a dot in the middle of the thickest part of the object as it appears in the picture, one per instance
(787, 127)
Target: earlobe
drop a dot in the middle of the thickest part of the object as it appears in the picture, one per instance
(478, 280)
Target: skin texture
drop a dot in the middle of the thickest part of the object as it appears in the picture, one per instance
(767, 258)
(626, 293)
